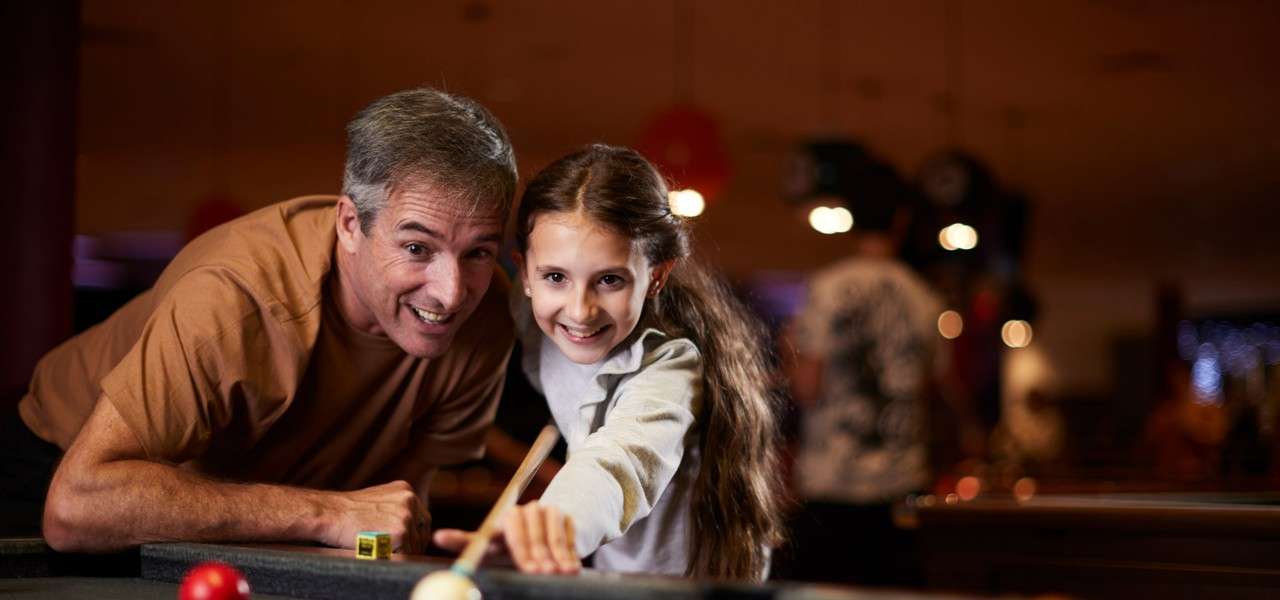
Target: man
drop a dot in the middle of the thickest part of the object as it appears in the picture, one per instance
(296, 374)
(864, 346)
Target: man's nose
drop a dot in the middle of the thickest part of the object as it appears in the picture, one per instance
(444, 283)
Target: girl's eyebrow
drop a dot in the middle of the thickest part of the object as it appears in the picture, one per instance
(605, 271)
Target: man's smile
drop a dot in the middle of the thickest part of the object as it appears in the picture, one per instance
(432, 318)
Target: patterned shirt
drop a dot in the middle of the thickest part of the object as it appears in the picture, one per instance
(871, 322)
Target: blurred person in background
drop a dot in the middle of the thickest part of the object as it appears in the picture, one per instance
(864, 347)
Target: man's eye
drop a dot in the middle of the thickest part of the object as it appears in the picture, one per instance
(481, 254)
(415, 249)
(554, 277)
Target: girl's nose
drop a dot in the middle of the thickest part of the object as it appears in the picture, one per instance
(583, 308)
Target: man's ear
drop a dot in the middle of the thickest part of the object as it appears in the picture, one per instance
(518, 258)
(659, 277)
(348, 224)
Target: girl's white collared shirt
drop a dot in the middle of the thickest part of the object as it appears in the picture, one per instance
(633, 452)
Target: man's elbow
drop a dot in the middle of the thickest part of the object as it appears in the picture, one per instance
(67, 524)
(58, 525)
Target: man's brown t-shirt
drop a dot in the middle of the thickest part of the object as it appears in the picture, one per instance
(238, 364)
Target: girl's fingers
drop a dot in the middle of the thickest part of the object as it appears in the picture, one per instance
(539, 556)
(517, 538)
(497, 545)
(540, 539)
(573, 547)
(453, 540)
(560, 544)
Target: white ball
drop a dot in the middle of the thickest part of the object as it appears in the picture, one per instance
(445, 585)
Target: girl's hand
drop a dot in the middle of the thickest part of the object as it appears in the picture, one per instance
(540, 539)
(456, 540)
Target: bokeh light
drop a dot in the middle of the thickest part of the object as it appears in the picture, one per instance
(950, 324)
(1016, 334)
(1206, 376)
(968, 487)
(686, 203)
(828, 220)
(944, 240)
(958, 236)
(1024, 489)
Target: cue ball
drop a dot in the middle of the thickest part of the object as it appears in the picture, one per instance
(214, 581)
(445, 585)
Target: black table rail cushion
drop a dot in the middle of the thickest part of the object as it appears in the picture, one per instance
(29, 568)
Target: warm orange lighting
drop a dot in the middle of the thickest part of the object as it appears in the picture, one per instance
(1024, 489)
(968, 487)
(950, 324)
(1016, 334)
(952, 499)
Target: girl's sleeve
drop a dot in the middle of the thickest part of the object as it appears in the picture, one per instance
(620, 471)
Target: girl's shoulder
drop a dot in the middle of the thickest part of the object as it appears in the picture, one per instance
(652, 352)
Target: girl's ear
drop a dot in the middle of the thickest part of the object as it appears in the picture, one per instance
(659, 277)
(518, 258)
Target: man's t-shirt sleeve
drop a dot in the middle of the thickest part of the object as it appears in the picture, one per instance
(179, 383)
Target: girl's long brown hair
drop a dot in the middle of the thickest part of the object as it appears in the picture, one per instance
(737, 497)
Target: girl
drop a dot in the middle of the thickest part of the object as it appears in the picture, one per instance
(654, 374)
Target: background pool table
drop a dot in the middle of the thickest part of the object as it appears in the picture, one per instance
(1155, 545)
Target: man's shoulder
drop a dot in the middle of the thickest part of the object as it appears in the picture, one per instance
(276, 257)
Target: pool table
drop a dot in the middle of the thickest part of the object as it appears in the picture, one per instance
(1117, 545)
(29, 569)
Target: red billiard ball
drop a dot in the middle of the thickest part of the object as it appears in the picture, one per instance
(214, 581)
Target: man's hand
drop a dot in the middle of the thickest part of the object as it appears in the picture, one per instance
(539, 538)
(391, 507)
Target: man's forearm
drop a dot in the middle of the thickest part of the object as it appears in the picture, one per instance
(106, 496)
(123, 503)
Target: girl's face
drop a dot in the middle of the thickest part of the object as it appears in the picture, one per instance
(587, 283)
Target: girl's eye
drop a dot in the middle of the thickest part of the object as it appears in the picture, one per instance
(611, 280)
(554, 277)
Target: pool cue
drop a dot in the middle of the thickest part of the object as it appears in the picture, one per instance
(469, 560)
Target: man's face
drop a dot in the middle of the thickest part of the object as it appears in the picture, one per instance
(421, 270)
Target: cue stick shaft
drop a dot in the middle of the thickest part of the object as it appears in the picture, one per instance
(471, 555)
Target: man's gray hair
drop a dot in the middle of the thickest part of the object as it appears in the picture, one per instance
(426, 136)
